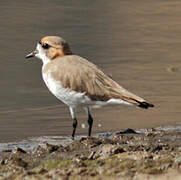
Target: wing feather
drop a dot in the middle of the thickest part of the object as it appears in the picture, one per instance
(80, 75)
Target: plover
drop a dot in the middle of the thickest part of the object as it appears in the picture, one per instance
(77, 82)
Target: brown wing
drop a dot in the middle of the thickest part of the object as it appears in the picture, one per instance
(80, 75)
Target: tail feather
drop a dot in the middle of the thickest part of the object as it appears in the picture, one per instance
(118, 92)
(144, 105)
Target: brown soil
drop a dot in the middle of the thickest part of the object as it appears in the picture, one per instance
(154, 154)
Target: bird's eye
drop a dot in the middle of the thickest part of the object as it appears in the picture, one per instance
(45, 46)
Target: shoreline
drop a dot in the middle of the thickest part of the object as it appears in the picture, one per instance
(129, 154)
(32, 142)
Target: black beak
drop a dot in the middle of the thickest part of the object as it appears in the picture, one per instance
(32, 54)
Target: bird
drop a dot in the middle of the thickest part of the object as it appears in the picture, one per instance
(78, 82)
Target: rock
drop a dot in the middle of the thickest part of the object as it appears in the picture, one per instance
(100, 163)
(92, 155)
(31, 173)
(157, 148)
(42, 171)
(127, 131)
(3, 162)
(20, 162)
(109, 149)
(52, 148)
(19, 150)
(91, 142)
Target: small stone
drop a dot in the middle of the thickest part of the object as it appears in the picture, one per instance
(20, 150)
(109, 149)
(20, 162)
(52, 148)
(91, 156)
(83, 139)
(93, 174)
(83, 158)
(100, 163)
(77, 160)
(118, 150)
(31, 173)
(3, 162)
(42, 171)
(127, 131)
(157, 148)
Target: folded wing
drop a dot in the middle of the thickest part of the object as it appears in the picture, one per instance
(83, 76)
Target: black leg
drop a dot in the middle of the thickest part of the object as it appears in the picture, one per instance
(74, 127)
(72, 112)
(90, 122)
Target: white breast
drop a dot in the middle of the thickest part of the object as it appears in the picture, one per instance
(66, 95)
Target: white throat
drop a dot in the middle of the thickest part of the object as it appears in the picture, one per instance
(42, 55)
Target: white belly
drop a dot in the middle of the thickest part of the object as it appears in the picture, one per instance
(66, 95)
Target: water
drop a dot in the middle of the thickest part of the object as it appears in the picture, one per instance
(136, 42)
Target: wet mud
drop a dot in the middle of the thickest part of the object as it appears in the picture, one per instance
(129, 154)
